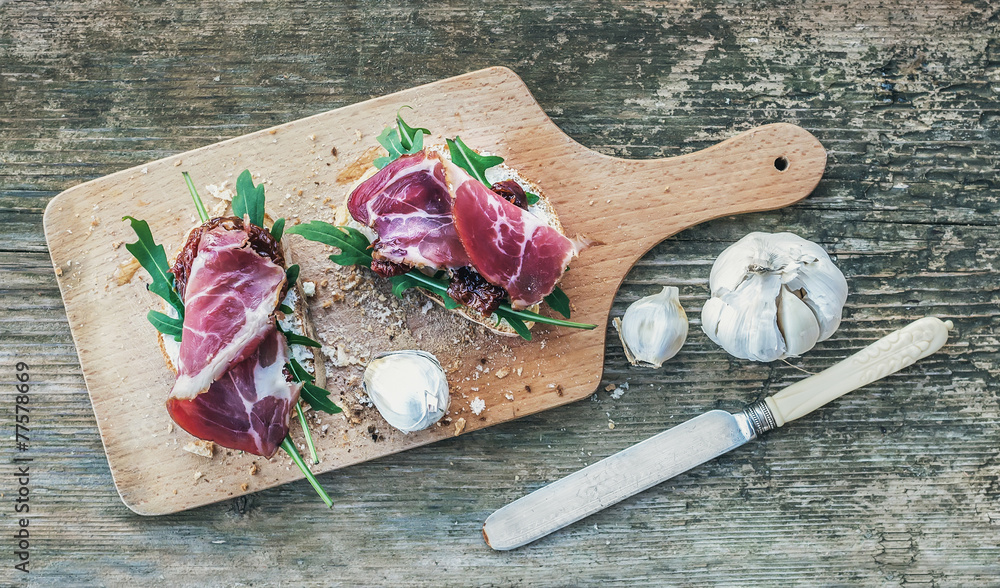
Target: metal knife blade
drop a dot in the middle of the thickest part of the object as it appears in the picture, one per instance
(615, 478)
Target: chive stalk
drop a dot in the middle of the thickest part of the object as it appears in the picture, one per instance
(308, 433)
(198, 204)
(290, 449)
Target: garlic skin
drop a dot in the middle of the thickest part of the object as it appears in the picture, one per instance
(773, 296)
(409, 388)
(654, 328)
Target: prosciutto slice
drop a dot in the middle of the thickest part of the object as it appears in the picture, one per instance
(508, 245)
(229, 301)
(407, 203)
(249, 407)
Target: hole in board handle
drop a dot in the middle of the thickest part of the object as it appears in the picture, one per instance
(781, 164)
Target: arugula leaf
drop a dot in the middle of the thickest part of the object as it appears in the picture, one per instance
(292, 273)
(317, 397)
(409, 136)
(249, 199)
(352, 243)
(415, 279)
(515, 322)
(153, 259)
(464, 157)
(286, 309)
(558, 301)
(198, 204)
(403, 140)
(532, 198)
(278, 229)
(168, 325)
(295, 339)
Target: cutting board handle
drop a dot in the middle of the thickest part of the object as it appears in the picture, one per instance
(764, 168)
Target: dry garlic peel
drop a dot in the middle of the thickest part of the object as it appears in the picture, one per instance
(409, 389)
(773, 296)
(653, 329)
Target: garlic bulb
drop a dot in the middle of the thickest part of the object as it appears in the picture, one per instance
(653, 329)
(409, 388)
(773, 296)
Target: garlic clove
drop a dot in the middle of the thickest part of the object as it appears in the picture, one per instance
(797, 324)
(409, 388)
(744, 322)
(653, 328)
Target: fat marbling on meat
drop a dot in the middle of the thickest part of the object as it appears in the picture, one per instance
(248, 408)
(508, 245)
(231, 387)
(408, 205)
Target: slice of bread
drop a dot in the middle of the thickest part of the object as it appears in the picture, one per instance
(542, 209)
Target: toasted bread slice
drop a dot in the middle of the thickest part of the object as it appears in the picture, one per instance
(542, 209)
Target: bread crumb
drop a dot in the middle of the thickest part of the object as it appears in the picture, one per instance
(478, 406)
(58, 271)
(609, 387)
(244, 486)
(502, 372)
(611, 424)
(197, 475)
(253, 469)
(126, 271)
(459, 426)
(201, 447)
(170, 427)
(178, 163)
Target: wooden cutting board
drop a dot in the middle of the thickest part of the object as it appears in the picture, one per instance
(308, 167)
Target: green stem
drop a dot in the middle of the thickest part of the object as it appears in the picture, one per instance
(308, 434)
(526, 315)
(290, 449)
(202, 213)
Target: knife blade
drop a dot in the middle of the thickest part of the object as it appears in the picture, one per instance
(701, 439)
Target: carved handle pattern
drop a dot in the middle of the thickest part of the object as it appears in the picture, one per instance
(888, 355)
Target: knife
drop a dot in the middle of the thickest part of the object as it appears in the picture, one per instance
(702, 438)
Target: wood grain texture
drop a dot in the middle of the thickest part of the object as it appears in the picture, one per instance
(625, 206)
(895, 484)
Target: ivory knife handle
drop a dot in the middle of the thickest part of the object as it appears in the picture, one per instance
(889, 354)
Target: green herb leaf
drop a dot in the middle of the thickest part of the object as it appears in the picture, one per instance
(153, 259)
(278, 229)
(286, 309)
(352, 243)
(296, 339)
(411, 139)
(532, 198)
(403, 140)
(299, 373)
(318, 398)
(249, 199)
(168, 325)
(466, 158)
(515, 322)
(558, 301)
(292, 273)
(415, 279)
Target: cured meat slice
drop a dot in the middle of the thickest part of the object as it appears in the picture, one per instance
(408, 205)
(249, 407)
(229, 300)
(508, 245)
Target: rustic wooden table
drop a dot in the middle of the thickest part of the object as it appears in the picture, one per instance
(895, 484)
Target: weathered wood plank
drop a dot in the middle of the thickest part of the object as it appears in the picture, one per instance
(894, 484)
